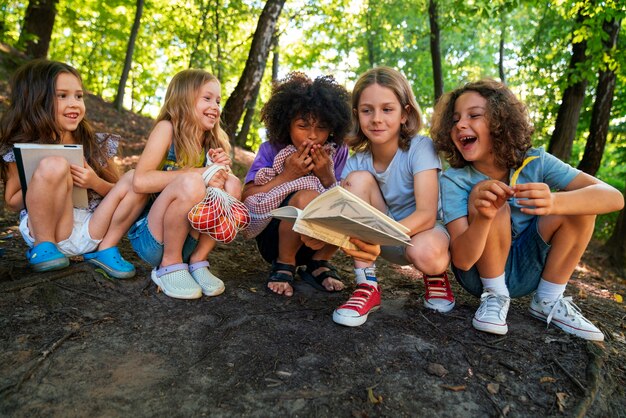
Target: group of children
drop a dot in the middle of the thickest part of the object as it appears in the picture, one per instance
(507, 218)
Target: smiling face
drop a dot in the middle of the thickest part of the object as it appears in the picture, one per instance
(380, 115)
(69, 104)
(208, 105)
(470, 132)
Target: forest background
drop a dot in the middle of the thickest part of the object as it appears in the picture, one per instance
(564, 58)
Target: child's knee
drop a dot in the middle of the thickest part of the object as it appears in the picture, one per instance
(360, 179)
(189, 187)
(429, 258)
(52, 168)
(302, 198)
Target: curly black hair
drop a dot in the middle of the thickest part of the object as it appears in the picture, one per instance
(297, 96)
(509, 124)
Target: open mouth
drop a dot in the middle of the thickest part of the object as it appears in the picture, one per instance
(467, 140)
(71, 115)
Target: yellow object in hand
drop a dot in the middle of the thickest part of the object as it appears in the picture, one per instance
(519, 170)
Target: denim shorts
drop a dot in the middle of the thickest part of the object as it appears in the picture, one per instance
(79, 242)
(523, 268)
(148, 248)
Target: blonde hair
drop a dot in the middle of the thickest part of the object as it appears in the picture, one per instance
(179, 109)
(394, 80)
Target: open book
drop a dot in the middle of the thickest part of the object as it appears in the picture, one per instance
(337, 215)
(28, 156)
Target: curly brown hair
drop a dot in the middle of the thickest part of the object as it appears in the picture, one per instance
(395, 81)
(507, 117)
(297, 96)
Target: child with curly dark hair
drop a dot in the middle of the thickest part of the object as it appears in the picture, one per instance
(519, 218)
(306, 121)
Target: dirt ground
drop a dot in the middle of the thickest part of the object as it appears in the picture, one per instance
(75, 343)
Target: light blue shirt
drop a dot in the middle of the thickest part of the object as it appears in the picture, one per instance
(396, 182)
(457, 183)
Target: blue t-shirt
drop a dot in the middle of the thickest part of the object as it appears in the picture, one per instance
(396, 182)
(457, 183)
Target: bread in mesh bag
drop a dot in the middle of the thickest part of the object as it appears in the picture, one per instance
(219, 215)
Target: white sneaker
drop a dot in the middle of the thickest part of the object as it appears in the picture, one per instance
(210, 284)
(176, 282)
(566, 315)
(491, 314)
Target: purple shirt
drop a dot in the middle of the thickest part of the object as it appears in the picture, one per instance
(267, 152)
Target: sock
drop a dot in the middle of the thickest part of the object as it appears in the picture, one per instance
(496, 284)
(366, 275)
(549, 291)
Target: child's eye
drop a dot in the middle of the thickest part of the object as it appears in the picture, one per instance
(388, 109)
(61, 96)
(365, 111)
(455, 121)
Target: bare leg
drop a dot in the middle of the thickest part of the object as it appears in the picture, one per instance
(429, 253)
(167, 219)
(116, 213)
(206, 244)
(365, 186)
(569, 237)
(49, 201)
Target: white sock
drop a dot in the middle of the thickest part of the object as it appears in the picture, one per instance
(366, 275)
(550, 291)
(496, 284)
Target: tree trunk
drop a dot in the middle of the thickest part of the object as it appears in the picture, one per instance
(501, 47)
(601, 113)
(119, 98)
(569, 111)
(255, 66)
(435, 49)
(37, 29)
(193, 59)
(275, 59)
(616, 244)
(242, 136)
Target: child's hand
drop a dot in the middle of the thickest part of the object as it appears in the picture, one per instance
(537, 198)
(219, 156)
(365, 251)
(300, 163)
(489, 196)
(219, 179)
(84, 177)
(322, 164)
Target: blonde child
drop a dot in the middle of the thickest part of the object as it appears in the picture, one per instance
(306, 121)
(186, 134)
(395, 170)
(509, 240)
(46, 106)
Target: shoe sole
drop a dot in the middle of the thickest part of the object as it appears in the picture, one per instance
(439, 308)
(157, 281)
(352, 321)
(587, 335)
(216, 292)
(50, 265)
(113, 273)
(490, 328)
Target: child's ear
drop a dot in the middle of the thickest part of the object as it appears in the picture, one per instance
(405, 113)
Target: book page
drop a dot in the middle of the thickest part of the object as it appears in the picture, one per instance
(323, 233)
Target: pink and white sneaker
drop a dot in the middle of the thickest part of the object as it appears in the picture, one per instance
(354, 312)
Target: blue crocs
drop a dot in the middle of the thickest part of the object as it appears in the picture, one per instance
(112, 262)
(45, 256)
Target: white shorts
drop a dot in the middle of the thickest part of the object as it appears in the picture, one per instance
(79, 242)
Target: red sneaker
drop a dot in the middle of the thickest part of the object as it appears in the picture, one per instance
(438, 296)
(364, 300)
